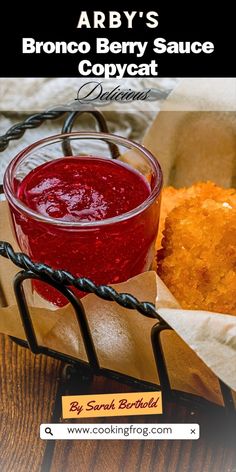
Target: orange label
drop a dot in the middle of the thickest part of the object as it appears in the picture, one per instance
(112, 404)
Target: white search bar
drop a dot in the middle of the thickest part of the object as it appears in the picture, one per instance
(153, 431)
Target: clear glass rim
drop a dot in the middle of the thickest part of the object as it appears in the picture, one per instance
(107, 137)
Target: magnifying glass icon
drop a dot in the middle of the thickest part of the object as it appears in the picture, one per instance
(48, 431)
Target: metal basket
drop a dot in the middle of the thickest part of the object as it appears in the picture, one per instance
(62, 280)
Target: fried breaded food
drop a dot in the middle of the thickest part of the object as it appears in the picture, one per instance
(197, 261)
(172, 197)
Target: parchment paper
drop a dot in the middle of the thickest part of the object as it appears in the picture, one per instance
(194, 134)
(191, 146)
(122, 337)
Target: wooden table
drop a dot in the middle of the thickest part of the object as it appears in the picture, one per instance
(29, 386)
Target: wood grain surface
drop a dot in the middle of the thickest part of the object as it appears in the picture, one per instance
(215, 451)
(29, 386)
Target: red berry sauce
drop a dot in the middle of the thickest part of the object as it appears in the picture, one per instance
(83, 189)
(86, 189)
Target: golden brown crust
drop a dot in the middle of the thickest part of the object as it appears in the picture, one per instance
(197, 260)
(172, 197)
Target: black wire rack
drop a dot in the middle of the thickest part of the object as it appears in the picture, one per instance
(64, 280)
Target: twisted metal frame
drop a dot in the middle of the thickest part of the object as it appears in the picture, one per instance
(33, 121)
(62, 280)
(84, 284)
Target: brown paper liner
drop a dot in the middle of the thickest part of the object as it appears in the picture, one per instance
(122, 336)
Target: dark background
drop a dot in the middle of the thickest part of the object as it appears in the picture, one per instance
(196, 21)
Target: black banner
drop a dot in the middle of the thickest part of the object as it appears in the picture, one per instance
(170, 41)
